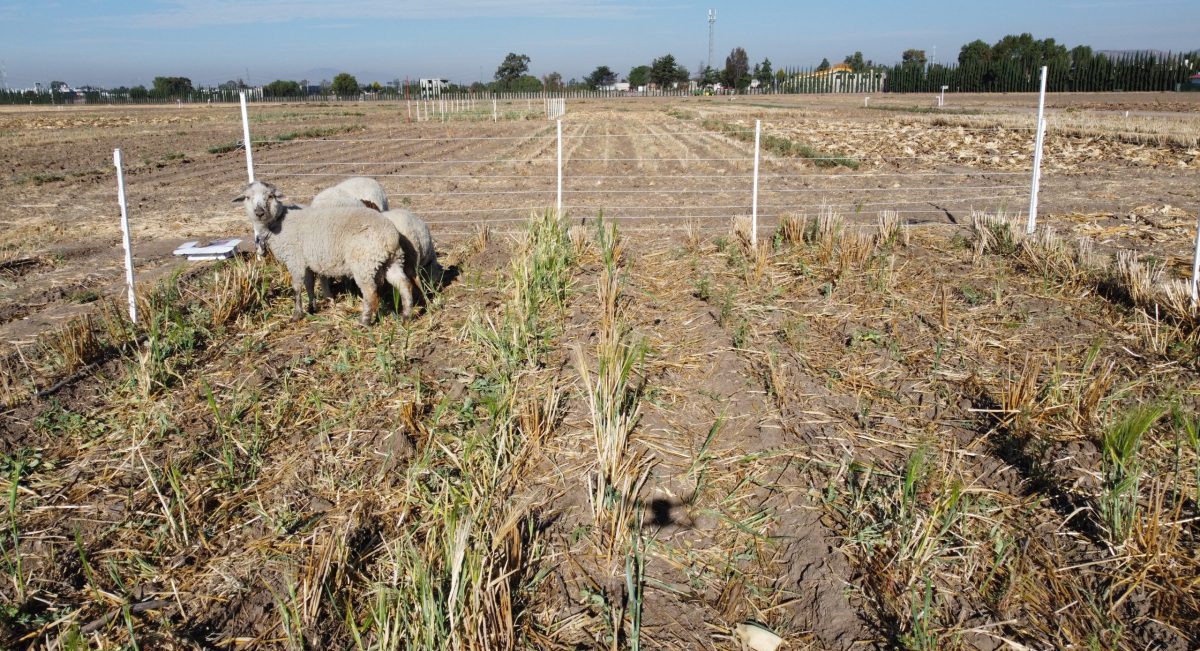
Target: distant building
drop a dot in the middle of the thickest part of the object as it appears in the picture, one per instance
(433, 87)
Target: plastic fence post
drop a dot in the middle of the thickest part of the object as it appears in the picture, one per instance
(754, 195)
(125, 234)
(1036, 177)
(246, 140)
(558, 204)
(1196, 265)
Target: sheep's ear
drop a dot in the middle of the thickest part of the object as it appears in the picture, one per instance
(371, 205)
(239, 199)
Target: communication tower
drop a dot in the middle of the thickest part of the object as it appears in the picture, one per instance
(712, 21)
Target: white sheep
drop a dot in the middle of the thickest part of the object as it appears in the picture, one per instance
(416, 231)
(330, 241)
(354, 191)
(417, 242)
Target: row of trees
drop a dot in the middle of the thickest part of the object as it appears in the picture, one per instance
(1014, 62)
(1009, 65)
(666, 72)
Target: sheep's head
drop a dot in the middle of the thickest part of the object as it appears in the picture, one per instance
(264, 206)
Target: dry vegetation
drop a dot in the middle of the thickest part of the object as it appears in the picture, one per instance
(862, 433)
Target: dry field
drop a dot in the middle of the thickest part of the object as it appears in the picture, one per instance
(897, 422)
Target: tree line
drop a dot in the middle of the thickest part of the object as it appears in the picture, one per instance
(1012, 64)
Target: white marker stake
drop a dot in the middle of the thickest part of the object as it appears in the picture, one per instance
(1036, 181)
(246, 140)
(125, 234)
(1196, 267)
(558, 206)
(754, 198)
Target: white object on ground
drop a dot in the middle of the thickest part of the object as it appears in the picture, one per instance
(216, 250)
(755, 637)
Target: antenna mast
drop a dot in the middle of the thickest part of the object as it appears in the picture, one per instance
(712, 20)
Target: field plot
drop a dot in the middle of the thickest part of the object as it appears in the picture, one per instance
(897, 422)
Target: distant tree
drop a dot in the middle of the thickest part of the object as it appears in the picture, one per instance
(913, 57)
(511, 69)
(710, 76)
(764, 74)
(1031, 53)
(1081, 54)
(737, 69)
(824, 65)
(664, 71)
(639, 76)
(552, 81)
(345, 85)
(602, 76)
(138, 92)
(282, 88)
(856, 62)
(976, 51)
(525, 84)
(56, 86)
(172, 86)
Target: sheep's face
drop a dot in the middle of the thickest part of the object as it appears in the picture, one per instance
(264, 206)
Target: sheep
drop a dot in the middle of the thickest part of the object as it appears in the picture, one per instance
(416, 231)
(354, 191)
(330, 241)
(417, 242)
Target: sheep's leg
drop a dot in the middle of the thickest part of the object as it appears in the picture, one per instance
(327, 288)
(298, 287)
(370, 293)
(397, 278)
(310, 279)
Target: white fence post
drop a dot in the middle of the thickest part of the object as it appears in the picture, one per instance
(1196, 266)
(125, 234)
(495, 115)
(754, 198)
(1036, 178)
(246, 140)
(558, 204)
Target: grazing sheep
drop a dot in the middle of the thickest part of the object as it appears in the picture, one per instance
(354, 191)
(330, 241)
(416, 231)
(417, 242)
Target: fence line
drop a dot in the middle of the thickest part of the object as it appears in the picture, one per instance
(767, 184)
(625, 177)
(585, 136)
(566, 184)
(611, 209)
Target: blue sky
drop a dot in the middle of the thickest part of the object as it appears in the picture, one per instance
(115, 42)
